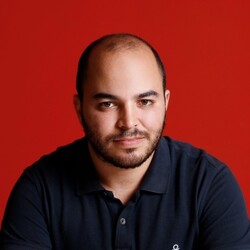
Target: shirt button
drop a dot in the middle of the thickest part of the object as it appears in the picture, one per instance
(123, 221)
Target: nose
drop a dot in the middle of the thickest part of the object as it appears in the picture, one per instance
(128, 117)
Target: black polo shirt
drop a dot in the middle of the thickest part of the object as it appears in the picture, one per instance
(188, 200)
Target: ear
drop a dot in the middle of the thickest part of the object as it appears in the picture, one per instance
(78, 107)
(167, 97)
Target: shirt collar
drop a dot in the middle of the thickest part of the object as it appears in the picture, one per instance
(156, 179)
(86, 176)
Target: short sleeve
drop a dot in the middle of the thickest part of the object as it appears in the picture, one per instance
(24, 225)
(224, 223)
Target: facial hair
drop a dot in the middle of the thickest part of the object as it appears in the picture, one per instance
(131, 159)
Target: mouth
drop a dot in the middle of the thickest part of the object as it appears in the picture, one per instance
(129, 141)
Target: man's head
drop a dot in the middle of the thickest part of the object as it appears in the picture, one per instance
(121, 101)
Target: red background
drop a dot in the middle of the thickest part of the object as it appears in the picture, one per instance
(203, 43)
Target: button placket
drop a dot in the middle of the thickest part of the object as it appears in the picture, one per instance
(123, 228)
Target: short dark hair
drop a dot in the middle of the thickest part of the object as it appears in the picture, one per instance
(113, 42)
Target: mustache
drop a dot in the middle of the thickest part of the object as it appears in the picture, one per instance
(128, 133)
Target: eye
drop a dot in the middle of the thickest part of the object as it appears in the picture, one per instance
(145, 102)
(106, 105)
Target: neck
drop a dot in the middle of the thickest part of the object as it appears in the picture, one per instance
(122, 182)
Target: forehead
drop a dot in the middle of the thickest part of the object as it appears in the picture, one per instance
(124, 70)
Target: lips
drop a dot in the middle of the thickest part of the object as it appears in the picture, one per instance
(128, 141)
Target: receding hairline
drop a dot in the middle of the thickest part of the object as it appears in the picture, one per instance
(117, 45)
(112, 44)
(120, 42)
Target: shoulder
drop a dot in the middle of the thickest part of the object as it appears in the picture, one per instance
(62, 154)
(62, 164)
(197, 172)
(186, 155)
(202, 176)
(74, 149)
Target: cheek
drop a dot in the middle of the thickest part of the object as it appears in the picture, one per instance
(153, 120)
(100, 122)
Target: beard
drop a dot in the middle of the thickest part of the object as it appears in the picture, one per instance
(131, 159)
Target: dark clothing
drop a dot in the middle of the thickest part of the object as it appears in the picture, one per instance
(188, 200)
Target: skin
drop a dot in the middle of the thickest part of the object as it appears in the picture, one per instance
(123, 114)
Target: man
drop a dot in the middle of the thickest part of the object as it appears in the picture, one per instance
(124, 186)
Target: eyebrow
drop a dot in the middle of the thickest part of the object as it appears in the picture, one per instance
(148, 93)
(99, 96)
(105, 96)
